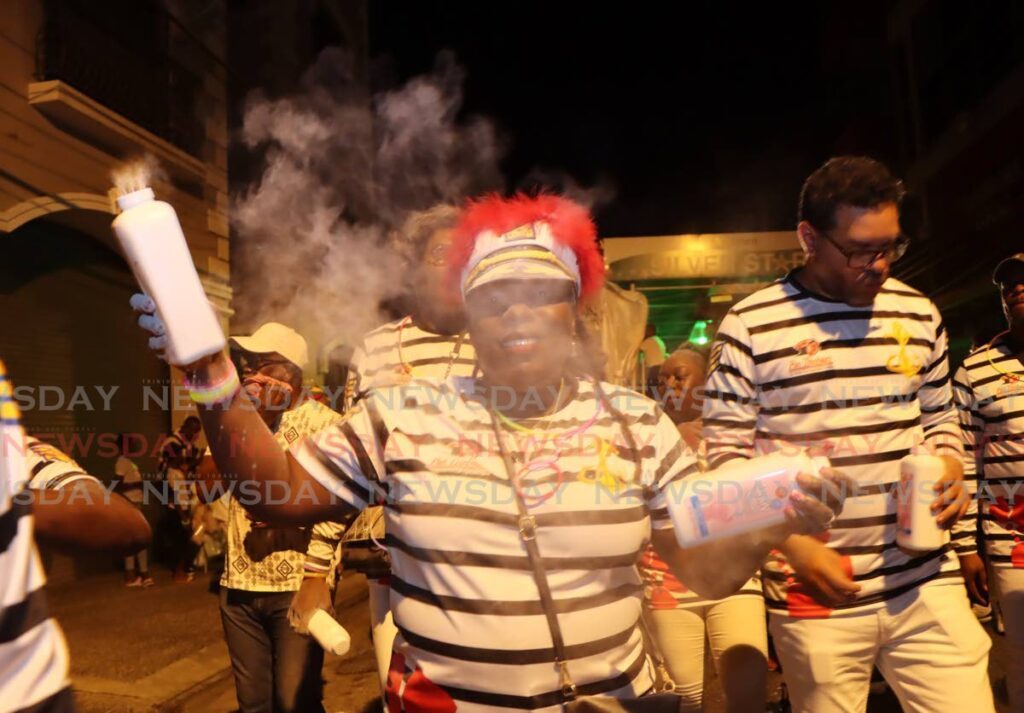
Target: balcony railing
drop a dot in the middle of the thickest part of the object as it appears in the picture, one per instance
(131, 57)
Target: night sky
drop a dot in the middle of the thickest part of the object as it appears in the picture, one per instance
(701, 120)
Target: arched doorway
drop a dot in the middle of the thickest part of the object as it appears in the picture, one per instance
(80, 366)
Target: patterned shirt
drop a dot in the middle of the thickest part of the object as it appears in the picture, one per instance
(790, 369)
(472, 631)
(279, 571)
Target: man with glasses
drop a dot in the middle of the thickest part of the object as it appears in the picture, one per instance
(989, 392)
(275, 668)
(840, 357)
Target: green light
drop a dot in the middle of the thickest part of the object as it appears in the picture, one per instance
(699, 333)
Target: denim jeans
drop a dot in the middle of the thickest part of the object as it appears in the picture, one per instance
(276, 670)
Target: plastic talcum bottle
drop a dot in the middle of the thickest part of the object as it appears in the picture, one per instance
(741, 496)
(155, 246)
(916, 528)
(329, 633)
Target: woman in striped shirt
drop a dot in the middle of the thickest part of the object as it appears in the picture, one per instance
(477, 471)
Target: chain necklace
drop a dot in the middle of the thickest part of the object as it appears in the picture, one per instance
(407, 369)
(1008, 376)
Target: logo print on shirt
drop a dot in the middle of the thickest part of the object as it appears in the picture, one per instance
(808, 358)
(900, 362)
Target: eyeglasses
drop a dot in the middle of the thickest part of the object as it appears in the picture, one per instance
(863, 259)
(494, 299)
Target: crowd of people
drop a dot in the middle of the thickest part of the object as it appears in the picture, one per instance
(511, 508)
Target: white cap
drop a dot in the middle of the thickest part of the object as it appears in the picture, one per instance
(275, 337)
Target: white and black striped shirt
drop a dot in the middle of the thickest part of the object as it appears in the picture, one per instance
(401, 349)
(989, 391)
(378, 361)
(472, 631)
(792, 369)
(33, 654)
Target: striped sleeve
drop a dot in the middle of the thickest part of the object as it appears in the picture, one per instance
(322, 545)
(730, 397)
(938, 414)
(674, 462)
(347, 457)
(965, 532)
(50, 468)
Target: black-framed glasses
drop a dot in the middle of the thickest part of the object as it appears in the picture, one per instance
(863, 259)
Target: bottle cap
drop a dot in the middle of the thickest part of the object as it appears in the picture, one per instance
(130, 200)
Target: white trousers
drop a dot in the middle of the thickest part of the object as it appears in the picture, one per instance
(1009, 591)
(383, 629)
(735, 628)
(926, 642)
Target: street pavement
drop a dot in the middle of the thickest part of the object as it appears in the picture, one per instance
(162, 649)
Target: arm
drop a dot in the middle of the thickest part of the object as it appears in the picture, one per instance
(84, 517)
(965, 530)
(208, 482)
(942, 433)
(315, 592)
(719, 568)
(730, 424)
(730, 395)
(271, 484)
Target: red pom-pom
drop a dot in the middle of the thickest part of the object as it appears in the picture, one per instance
(570, 223)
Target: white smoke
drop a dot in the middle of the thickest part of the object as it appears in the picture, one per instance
(342, 169)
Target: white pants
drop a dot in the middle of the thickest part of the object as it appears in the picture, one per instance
(927, 643)
(1009, 590)
(382, 629)
(736, 630)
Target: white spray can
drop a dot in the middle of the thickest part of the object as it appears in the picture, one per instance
(741, 496)
(916, 528)
(158, 255)
(329, 633)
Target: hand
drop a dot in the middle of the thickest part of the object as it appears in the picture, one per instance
(975, 577)
(150, 321)
(266, 392)
(821, 570)
(817, 502)
(313, 594)
(953, 498)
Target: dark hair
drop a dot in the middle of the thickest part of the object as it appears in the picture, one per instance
(192, 421)
(856, 181)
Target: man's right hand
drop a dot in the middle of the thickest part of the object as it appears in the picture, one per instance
(975, 577)
(313, 594)
(820, 569)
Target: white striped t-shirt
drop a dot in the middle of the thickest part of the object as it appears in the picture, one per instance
(472, 632)
(989, 391)
(377, 362)
(402, 346)
(791, 369)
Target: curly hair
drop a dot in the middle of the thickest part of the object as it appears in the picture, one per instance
(856, 181)
(411, 239)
